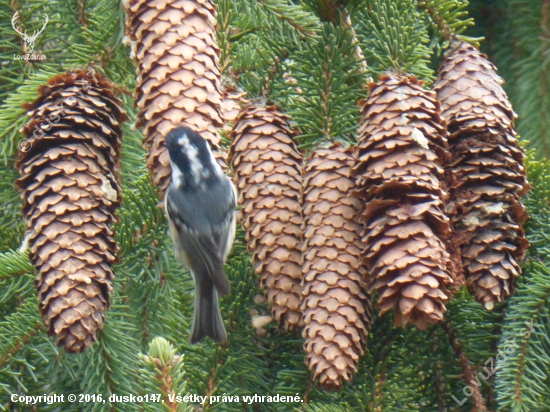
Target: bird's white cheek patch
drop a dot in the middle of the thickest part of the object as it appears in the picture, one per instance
(195, 164)
(183, 141)
(177, 177)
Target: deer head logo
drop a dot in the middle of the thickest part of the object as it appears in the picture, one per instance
(29, 40)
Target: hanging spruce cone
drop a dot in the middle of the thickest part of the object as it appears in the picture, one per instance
(486, 176)
(70, 191)
(176, 54)
(335, 308)
(268, 174)
(401, 149)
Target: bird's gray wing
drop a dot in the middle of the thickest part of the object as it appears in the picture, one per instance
(225, 234)
(203, 226)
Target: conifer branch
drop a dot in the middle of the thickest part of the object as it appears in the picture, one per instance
(164, 371)
(469, 375)
(327, 79)
(496, 332)
(18, 329)
(522, 53)
(526, 334)
(346, 23)
(82, 14)
(13, 116)
(440, 384)
(393, 36)
(14, 263)
(224, 35)
(545, 37)
(22, 43)
(111, 366)
(443, 26)
(287, 14)
(449, 18)
(377, 395)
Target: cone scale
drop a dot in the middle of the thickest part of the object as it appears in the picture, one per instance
(268, 174)
(335, 307)
(177, 62)
(70, 190)
(400, 154)
(486, 176)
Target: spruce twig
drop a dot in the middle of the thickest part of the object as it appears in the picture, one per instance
(469, 375)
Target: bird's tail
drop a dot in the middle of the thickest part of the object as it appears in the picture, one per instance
(207, 317)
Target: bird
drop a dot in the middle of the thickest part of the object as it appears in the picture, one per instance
(200, 206)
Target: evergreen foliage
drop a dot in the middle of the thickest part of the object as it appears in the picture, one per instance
(304, 55)
(322, 84)
(518, 40)
(394, 36)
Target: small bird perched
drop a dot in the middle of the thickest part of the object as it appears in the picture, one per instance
(200, 206)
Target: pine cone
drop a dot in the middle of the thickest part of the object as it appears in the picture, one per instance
(268, 174)
(335, 308)
(175, 49)
(486, 176)
(70, 192)
(401, 149)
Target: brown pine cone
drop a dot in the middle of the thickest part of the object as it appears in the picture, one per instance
(268, 175)
(486, 176)
(335, 308)
(401, 150)
(70, 189)
(177, 58)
